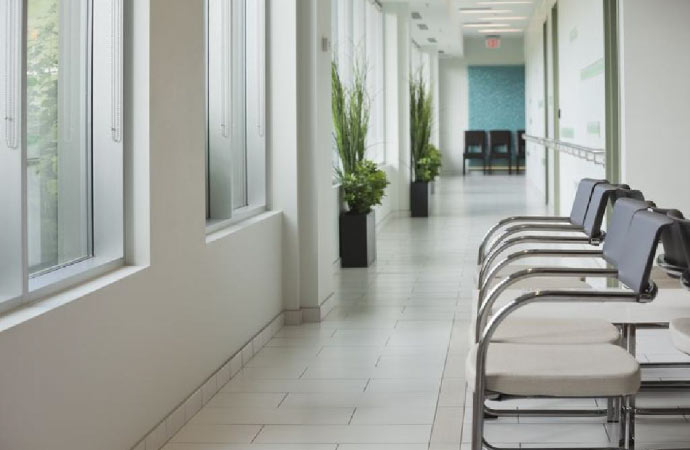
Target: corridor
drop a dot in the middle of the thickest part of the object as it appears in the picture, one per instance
(385, 369)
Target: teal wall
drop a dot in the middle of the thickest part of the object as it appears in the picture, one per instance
(496, 98)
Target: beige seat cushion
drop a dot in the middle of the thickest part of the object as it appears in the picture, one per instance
(562, 331)
(668, 305)
(680, 334)
(599, 370)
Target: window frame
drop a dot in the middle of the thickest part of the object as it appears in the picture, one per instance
(222, 209)
(104, 159)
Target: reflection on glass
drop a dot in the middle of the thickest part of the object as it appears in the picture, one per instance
(57, 150)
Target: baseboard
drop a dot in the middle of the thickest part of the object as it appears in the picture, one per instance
(318, 313)
(159, 435)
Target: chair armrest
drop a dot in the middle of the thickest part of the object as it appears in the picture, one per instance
(485, 307)
(486, 276)
(515, 219)
(521, 228)
(533, 239)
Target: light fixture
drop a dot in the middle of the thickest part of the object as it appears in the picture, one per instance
(504, 3)
(501, 30)
(422, 26)
(432, 40)
(484, 11)
(416, 15)
(484, 25)
(489, 19)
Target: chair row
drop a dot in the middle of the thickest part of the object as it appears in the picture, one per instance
(556, 336)
(496, 144)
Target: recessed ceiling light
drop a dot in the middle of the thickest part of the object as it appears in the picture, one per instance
(504, 3)
(501, 30)
(484, 25)
(504, 18)
(484, 11)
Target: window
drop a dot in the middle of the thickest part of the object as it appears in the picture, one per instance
(358, 38)
(376, 147)
(60, 158)
(236, 87)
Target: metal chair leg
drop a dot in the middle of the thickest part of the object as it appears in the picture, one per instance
(630, 435)
(478, 420)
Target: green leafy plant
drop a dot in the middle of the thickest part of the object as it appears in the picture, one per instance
(426, 159)
(363, 183)
(429, 166)
(434, 156)
(364, 187)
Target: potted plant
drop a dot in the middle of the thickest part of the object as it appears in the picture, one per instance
(425, 157)
(434, 156)
(362, 182)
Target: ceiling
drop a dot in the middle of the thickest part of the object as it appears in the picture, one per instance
(438, 20)
(447, 21)
(494, 17)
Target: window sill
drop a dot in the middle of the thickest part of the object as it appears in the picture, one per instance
(25, 313)
(240, 215)
(229, 227)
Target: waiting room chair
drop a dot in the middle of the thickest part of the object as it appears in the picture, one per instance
(521, 154)
(673, 261)
(602, 195)
(589, 232)
(570, 370)
(474, 139)
(565, 329)
(541, 223)
(500, 147)
(679, 328)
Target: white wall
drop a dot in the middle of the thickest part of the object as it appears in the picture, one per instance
(511, 52)
(582, 90)
(535, 106)
(316, 202)
(581, 93)
(98, 366)
(453, 118)
(655, 70)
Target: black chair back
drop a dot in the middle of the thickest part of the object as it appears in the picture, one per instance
(500, 138)
(635, 264)
(582, 198)
(475, 138)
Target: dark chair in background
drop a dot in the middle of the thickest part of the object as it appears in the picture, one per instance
(473, 140)
(500, 147)
(520, 150)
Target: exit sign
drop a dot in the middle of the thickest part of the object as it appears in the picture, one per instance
(493, 42)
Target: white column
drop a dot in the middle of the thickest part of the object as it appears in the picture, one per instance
(283, 143)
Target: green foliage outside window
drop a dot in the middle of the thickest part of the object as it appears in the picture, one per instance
(42, 117)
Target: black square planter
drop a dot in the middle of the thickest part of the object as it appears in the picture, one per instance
(357, 239)
(419, 199)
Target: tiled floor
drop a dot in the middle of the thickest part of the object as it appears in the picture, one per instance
(385, 370)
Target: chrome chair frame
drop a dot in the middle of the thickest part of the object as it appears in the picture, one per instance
(626, 403)
(558, 224)
(487, 273)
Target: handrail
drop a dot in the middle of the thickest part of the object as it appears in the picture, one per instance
(595, 155)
